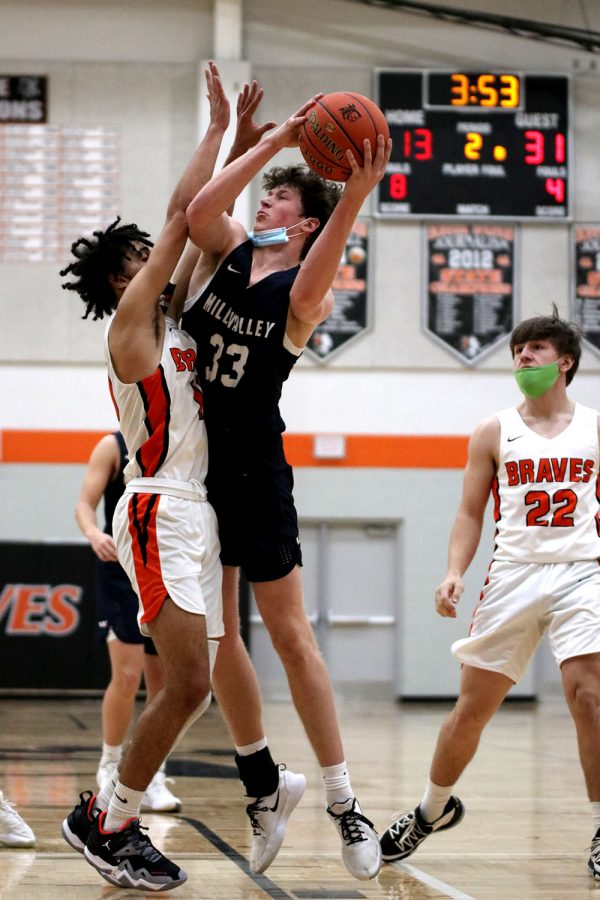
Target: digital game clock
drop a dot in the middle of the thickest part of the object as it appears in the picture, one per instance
(475, 145)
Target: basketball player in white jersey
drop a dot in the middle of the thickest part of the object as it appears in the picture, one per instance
(540, 461)
(165, 531)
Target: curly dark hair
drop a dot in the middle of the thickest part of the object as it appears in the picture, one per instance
(97, 258)
(318, 196)
(565, 336)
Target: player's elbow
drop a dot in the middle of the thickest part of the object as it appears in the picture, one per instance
(309, 309)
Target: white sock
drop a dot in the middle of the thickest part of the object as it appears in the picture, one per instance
(124, 804)
(249, 749)
(111, 753)
(595, 804)
(103, 798)
(337, 784)
(434, 800)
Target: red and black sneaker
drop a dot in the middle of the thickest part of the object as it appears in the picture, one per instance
(127, 858)
(78, 824)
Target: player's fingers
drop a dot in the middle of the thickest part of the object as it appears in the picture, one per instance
(264, 128)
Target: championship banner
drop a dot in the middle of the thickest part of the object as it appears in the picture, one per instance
(469, 287)
(47, 618)
(349, 317)
(585, 291)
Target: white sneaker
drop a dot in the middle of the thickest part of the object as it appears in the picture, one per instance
(361, 852)
(14, 832)
(106, 770)
(268, 818)
(158, 797)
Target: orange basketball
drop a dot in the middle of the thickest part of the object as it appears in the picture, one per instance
(336, 123)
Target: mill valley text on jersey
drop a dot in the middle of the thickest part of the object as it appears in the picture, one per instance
(244, 355)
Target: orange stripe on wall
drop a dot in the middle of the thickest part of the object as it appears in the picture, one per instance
(20, 446)
(361, 450)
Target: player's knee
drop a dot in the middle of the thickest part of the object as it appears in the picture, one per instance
(197, 692)
(296, 647)
(468, 717)
(584, 701)
(126, 681)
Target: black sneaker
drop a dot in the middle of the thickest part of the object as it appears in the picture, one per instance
(594, 860)
(78, 824)
(127, 858)
(405, 834)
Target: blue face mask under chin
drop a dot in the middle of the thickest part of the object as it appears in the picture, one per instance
(274, 235)
(269, 237)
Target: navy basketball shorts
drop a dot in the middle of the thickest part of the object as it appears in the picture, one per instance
(117, 607)
(258, 524)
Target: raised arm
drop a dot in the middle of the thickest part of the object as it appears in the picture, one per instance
(210, 227)
(466, 531)
(190, 271)
(311, 299)
(137, 313)
(103, 467)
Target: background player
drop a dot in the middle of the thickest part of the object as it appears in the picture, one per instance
(131, 654)
(540, 461)
(254, 301)
(14, 831)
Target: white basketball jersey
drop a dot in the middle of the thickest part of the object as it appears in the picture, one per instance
(547, 500)
(160, 416)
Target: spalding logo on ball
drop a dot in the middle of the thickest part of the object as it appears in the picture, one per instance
(336, 123)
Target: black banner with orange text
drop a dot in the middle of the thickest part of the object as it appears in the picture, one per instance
(469, 287)
(47, 618)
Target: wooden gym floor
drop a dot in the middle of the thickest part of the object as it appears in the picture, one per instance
(525, 835)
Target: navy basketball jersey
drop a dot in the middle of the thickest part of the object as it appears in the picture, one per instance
(244, 355)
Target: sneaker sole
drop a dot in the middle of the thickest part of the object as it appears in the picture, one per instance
(7, 841)
(276, 839)
(124, 880)
(71, 838)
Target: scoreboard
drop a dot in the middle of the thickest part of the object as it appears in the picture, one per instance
(475, 145)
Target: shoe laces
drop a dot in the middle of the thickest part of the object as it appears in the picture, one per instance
(141, 842)
(595, 847)
(401, 820)
(253, 810)
(351, 823)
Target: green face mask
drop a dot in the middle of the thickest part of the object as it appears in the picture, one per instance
(537, 380)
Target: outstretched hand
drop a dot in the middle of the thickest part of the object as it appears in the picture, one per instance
(364, 178)
(248, 132)
(220, 113)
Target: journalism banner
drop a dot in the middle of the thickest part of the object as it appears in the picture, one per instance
(47, 618)
(469, 297)
(349, 317)
(585, 291)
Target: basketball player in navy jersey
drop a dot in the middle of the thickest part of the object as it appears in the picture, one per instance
(540, 461)
(130, 653)
(253, 302)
